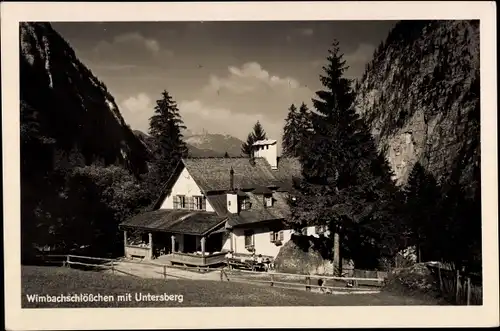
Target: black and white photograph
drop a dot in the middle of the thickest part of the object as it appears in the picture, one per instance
(160, 160)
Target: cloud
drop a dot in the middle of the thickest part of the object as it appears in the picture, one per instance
(300, 32)
(136, 110)
(361, 55)
(229, 103)
(251, 89)
(129, 44)
(306, 32)
(137, 39)
(249, 77)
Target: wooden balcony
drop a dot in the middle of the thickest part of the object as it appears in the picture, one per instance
(198, 260)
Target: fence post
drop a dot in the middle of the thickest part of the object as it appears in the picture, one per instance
(457, 287)
(164, 272)
(67, 261)
(308, 283)
(272, 280)
(440, 278)
(468, 291)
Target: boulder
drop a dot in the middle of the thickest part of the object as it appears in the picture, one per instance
(304, 255)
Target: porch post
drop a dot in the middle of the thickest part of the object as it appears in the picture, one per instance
(173, 243)
(231, 241)
(203, 245)
(150, 245)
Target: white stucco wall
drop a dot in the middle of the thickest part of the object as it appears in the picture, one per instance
(185, 185)
(262, 241)
(269, 152)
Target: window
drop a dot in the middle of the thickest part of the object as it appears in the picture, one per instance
(199, 203)
(179, 202)
(245, 204)
(191, 203)
(249, 238)
(277, 236)
(268, 200)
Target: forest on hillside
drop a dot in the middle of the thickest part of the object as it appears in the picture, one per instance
(78, 183)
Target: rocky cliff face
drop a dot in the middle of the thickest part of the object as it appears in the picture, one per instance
(69, 105)
(420, 95)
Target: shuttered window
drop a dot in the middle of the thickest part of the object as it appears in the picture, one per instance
(277, 236)
(248, 238)
(191, 203)
(180, 202)
(199, 203)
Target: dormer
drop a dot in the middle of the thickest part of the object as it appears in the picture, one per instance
(236, 200)
(267, 149)
(266, 194)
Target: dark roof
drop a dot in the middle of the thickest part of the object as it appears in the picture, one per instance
(218, 203)
(212, 174)
(175, 221)
(262, 190)
(260, 213)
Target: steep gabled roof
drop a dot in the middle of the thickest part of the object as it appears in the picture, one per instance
(212, 174)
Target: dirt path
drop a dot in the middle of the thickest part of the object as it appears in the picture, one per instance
(156, 271)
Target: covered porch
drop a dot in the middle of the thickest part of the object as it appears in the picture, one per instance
(191, 238)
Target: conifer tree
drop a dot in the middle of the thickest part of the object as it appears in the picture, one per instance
(290, 139)
(165, 129)
(257, 134)
(422, 196)
(343, 181)
(296, 131)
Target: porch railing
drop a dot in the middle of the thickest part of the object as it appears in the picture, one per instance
(198, 260)
(135, 250)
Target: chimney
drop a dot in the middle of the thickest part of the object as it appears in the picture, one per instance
(267, 149)
(231, 179)
(231, 196)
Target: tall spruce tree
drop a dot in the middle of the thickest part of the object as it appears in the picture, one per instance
(341, 186)
(296, 131)
(165, 129)
(422, 196)
(257, 134)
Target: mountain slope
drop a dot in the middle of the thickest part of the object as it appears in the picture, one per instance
(420, 95)
(69, 104)
(218, 143)
(206, 145)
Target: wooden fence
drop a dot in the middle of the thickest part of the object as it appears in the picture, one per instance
(276, 279)
(457, 287)
(307, 282)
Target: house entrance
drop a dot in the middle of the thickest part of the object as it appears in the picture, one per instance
(190, 244)
(214, 242)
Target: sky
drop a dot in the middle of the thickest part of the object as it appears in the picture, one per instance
(224, 76)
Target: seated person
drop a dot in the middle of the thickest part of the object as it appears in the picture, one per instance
(229, 255)
(259, 259)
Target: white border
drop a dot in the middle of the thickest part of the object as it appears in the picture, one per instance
(16, 319)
